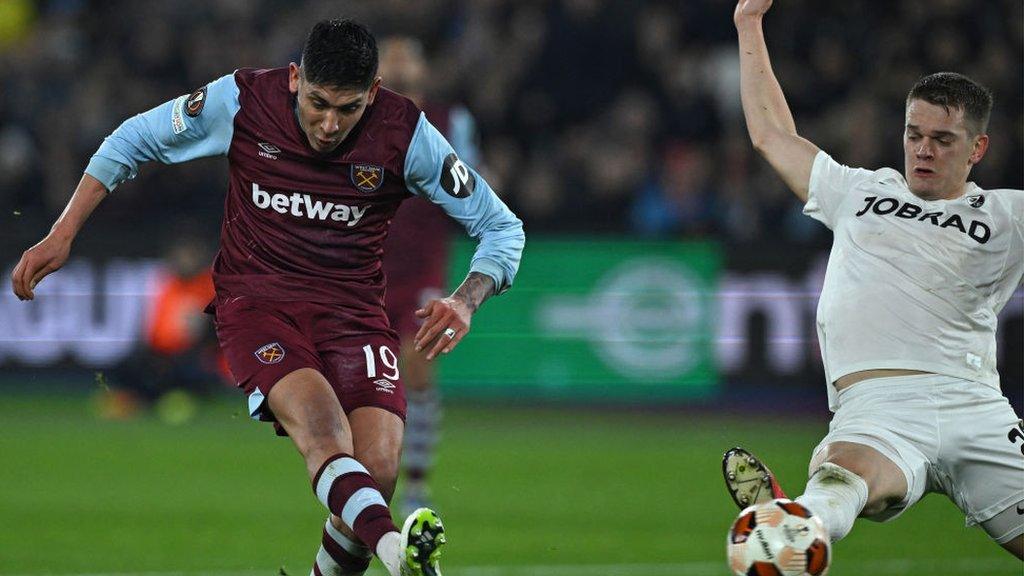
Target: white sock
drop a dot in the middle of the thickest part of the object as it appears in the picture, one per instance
(836, 496)
(388, 550)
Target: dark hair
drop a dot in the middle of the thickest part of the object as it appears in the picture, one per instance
(952, 90)
(340, 53)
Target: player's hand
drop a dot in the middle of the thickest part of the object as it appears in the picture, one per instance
(750, 9)
(446, 321)
(36, 263)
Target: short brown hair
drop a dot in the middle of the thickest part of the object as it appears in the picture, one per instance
(952, 90)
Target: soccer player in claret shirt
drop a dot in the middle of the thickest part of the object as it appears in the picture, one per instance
(320, 157)
(921, 264)
(416, 264)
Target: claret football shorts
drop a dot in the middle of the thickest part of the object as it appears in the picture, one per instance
(264, 341)
(946, 434)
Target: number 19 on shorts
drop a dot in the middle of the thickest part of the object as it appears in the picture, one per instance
(387, 358)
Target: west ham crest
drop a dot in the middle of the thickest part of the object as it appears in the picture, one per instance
(367, 177)
(271, 353)
(976, 201)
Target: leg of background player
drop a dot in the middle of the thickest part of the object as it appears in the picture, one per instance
(851, 480)
(304, 403)
(421, 426)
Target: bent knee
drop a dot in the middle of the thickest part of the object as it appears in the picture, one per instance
(878, 504)
(887, 486)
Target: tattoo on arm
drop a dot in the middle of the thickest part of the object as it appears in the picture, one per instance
(475, 289)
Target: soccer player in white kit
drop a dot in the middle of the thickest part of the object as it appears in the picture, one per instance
(921, 264)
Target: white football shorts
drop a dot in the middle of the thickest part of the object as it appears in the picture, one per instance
(947, 435)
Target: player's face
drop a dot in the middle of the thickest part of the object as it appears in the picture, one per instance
(328, 114)
(938, 150)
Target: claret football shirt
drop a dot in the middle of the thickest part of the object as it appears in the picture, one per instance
(299, 225)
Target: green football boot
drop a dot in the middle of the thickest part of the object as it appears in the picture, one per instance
(422, 542)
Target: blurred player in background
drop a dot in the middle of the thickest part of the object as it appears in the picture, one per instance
(320, 157)
(416, 265)
(921, 264)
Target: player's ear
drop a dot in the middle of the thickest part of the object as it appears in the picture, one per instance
(373, 90)
(294, 73)
(980, 147)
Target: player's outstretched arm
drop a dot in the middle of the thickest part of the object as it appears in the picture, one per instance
(434, 171)
(769, 120)
(52, 251)
(191, 126)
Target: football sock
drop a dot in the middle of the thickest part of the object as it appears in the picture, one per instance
(346, 488)
(339, 555)
(836, 496)
(388, 550)
(421, 424)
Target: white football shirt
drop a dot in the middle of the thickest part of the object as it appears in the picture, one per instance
(913, 284)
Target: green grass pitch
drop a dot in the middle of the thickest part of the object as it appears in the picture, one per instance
(523, 492)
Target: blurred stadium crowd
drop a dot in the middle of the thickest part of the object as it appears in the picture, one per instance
(595, 116)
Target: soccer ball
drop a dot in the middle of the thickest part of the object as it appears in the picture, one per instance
(778, 538)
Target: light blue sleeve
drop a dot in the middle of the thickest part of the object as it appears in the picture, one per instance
(433, 171)
(170, 133)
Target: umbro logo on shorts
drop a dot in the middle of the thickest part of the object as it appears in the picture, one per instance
(270, 354)
(384, 385)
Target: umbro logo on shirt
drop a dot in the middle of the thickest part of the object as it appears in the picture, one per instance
(268, 150)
